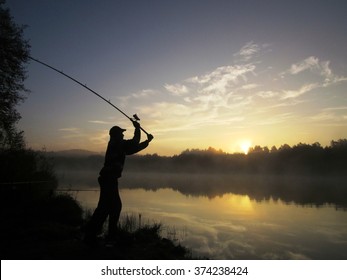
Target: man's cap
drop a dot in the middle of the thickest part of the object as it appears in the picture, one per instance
(116, 130)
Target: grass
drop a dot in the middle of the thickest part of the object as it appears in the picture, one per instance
(132, 222)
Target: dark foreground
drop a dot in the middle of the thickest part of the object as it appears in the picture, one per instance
(52, 241)
(35, 226)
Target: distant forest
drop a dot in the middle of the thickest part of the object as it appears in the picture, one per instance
(300, 159)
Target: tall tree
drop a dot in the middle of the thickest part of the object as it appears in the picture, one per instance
(14, 53)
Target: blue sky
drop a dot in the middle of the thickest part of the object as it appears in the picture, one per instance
(224, 74)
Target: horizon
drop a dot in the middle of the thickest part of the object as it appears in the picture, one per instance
(198, 73)
(208, 149)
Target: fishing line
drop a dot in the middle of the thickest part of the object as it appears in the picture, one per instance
(135, 117)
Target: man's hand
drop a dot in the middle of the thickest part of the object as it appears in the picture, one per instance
(136, 124)
(149, 137)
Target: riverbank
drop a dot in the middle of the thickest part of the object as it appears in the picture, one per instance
(52, 229)
(39, 240)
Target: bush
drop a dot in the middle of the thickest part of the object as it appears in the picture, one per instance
(63, 209)
(28, 185)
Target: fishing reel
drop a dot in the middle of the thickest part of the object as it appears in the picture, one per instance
(135, 118)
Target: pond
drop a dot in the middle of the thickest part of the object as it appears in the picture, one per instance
(234, 216)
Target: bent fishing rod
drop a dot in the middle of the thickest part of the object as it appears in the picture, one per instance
(135, 117)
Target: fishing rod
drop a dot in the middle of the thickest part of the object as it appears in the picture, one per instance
(135, 117)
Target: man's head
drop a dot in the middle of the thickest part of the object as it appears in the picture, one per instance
(116, 132)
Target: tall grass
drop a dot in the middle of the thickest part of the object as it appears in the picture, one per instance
(134, 223)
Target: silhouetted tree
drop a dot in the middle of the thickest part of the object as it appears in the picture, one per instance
(14, 52)
(27, 177)
(273, 149)
(284, 147)
(340, 144)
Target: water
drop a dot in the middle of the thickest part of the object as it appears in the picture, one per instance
(236, 217)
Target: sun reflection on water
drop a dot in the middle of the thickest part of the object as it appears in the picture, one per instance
(233, 226)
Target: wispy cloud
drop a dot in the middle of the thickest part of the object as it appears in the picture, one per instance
(322, 76)
(275, 119)
(70, 129)
(69, 136)
(244, 93)
(99, 138)
(71, 132)
(222, 78)
(311, 63)
(177, 89)
(267, 93)
(318, 67)
(144, 93)
(302, 90)
(140, 95)
(249, 86)
(336, 115)
(100, 122)
(339, 108)
(248, 51)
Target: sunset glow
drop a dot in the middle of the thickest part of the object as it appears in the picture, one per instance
(196, 81)
(245, 146)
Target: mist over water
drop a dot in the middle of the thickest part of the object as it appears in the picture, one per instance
(223, 216)
(301, 190)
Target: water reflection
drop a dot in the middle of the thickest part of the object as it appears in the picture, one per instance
(237, 217)
(235, 227)
(301, 190)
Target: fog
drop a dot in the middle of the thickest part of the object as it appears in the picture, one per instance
(303, 174)
(301, 190)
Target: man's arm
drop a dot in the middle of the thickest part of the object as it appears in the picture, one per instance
(137, 133)
(132, 148)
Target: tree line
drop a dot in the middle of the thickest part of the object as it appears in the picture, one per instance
(300, 159)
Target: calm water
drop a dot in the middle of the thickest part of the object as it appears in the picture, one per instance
(235, 217)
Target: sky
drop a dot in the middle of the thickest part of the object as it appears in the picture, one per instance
(222, 74)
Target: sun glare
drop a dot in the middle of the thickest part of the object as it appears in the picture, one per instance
(245, 145)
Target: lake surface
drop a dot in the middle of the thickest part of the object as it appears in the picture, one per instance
(234, 216)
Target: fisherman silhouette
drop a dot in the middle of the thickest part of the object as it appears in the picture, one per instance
(110, 204)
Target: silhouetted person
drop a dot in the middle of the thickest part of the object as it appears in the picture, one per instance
(110, 204)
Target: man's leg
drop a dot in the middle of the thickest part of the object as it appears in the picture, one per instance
(115, 210)
(101, 212)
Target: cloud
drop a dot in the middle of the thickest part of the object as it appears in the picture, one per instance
(310, 63)
(70, 129)
(275, 119)
(340, 108)
(140, 95)
(322, 76)
(249, 86)
(144, 93)
(71, 132)
(302, 90)
(239, 248)
(99, 138)
(222, 78)
(267, 94)
(297, 256)
(237, 93)
(176, 89)
(315, 66)
(336, 115)
(248, 51)
(100, 122)
(324, 116)
(163, 109)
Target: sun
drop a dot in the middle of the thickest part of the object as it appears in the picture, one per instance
(245, 145)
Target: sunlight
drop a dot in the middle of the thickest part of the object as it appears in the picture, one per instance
(245, 203)
(239, 204)
(245, 145)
